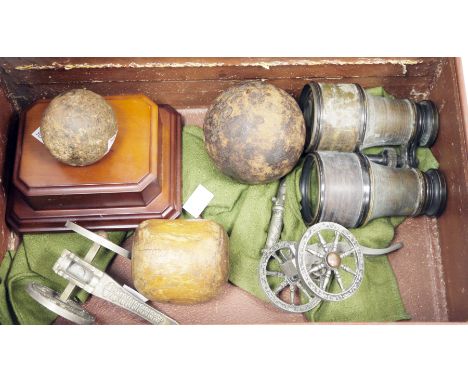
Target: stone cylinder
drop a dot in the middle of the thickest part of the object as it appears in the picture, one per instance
(180, 261)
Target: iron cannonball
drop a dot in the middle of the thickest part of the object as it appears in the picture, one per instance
(254, 132)
(78, 127)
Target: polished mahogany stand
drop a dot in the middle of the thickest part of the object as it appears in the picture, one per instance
(139, 179)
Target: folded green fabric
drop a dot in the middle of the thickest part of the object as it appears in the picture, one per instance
(33, 261)
(245, 211)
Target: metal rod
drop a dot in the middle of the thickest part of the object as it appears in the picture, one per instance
(99, 239)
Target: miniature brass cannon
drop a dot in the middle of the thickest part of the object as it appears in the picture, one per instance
(80, 273)
(296, 276)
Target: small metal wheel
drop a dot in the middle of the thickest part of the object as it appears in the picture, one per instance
(278, 272)
(339, 258)
(51, 300)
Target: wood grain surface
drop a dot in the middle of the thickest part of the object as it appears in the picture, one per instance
(451, 149)
(6, 121)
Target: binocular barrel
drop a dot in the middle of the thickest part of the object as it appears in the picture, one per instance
(346, 118)
(351, 190)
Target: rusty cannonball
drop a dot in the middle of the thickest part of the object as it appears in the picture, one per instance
(254, 132)
(78, 127)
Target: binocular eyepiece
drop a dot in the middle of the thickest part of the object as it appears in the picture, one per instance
(346, 118)
(351, 190)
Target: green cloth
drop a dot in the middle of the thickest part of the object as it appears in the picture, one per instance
(33, 261)
(245, 210)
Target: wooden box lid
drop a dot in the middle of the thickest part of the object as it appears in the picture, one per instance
(138, 179)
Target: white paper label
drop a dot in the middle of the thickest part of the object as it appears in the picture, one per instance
(135, 293)
(37, 134)
(110, 142)
(198, 201)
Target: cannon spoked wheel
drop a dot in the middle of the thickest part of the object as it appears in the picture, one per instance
(279, 262)
(68, 309)
(340, 259)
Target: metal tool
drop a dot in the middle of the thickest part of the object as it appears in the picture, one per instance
(78, 272)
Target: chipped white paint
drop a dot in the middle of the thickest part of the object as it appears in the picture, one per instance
(193, 64)
(434, 256)
(417, 95)
(435, 78)
(13, 241)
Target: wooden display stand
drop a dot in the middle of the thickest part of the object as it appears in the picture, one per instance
(138, 179)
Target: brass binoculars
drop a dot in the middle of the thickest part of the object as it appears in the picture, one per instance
(347, 118)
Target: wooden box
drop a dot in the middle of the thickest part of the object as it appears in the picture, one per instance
(432, 267)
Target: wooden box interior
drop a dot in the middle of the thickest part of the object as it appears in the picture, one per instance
(432, 268)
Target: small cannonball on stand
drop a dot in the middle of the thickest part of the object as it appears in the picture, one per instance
(78, 127)
(254, 132)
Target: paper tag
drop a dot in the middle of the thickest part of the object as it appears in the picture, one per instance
(110, 142)
(37, 134)
(198, 201)
(135, 293)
